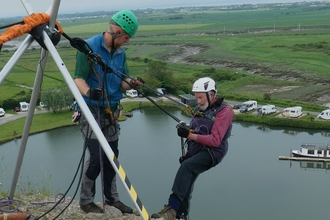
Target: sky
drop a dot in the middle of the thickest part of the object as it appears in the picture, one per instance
(11, 8)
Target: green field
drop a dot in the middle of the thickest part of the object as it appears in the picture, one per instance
(267, 48)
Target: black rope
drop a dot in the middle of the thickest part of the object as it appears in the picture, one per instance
(153, 102)
(80, 166)
(9, 25)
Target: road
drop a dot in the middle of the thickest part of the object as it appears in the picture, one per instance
(11, 117)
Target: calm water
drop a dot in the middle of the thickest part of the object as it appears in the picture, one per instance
(250, 183)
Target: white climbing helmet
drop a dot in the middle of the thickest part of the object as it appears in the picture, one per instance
(204, 84)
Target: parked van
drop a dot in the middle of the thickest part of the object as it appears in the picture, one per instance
(24, 106)
(2, 112)
(268, 109)
(248, 106)
(132, 93)
(325, 114)
(293, 112)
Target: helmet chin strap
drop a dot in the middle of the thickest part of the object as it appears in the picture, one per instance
(208, 98)
(113, 37)
(208, 102)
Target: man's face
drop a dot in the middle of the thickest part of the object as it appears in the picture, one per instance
(202, 100)
(121, 40)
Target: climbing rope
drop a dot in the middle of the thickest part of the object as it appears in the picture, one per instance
(8, 205)
(59, 198)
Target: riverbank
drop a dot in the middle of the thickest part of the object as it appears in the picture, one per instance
(13, 128)
(14, 125)
(36, 205)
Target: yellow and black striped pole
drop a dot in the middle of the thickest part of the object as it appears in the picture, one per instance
(127, 184)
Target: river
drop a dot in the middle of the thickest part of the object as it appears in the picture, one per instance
(250, 183)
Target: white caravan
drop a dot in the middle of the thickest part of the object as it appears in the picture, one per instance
(248, 106)
(293, 112)
(24, 106)
(132, 93)
(325, 114)
(2, 112)
(268, 109)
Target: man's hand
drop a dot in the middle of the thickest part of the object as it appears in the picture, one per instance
(94, 94)
(183, 130)
(137, 81)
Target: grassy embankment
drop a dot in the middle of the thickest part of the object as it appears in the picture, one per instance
(14, 129)
(230, 40)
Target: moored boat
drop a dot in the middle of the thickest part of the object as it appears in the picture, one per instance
(313, 151)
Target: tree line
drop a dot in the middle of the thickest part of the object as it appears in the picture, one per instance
(158, 75)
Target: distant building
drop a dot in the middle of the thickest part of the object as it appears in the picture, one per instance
(188, 99)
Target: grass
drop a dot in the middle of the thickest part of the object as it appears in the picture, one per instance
(306, 122)
(253, 49)
(41, 123)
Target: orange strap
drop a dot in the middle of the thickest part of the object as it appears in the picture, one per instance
(59, 28)
(30, 22)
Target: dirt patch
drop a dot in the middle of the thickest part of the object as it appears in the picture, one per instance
(265, 88)
(284, 88)
(183, 53)
(324, 99)
(187, 54)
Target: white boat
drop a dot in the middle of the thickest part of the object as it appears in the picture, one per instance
(313, 151)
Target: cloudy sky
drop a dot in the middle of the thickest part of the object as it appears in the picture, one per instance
(15, 7)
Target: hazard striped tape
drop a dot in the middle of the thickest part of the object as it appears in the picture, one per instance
(143, 212)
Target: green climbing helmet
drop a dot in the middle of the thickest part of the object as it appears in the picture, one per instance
(127, 21)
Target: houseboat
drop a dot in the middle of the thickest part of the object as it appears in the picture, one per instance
(313, 151)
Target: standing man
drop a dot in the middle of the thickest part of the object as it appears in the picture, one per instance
(207, 140)
(102, 92)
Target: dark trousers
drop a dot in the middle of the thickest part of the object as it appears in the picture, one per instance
(186, 176)
(92, 170)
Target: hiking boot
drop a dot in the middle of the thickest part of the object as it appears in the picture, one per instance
(91, 207)
(167, 213)
(121, 206)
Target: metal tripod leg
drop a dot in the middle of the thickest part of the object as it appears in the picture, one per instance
(15, 58)
(28, 121)
(36, 88)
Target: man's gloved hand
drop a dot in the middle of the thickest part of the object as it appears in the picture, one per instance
(137, 81)
(94, 94)
(183, 129)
